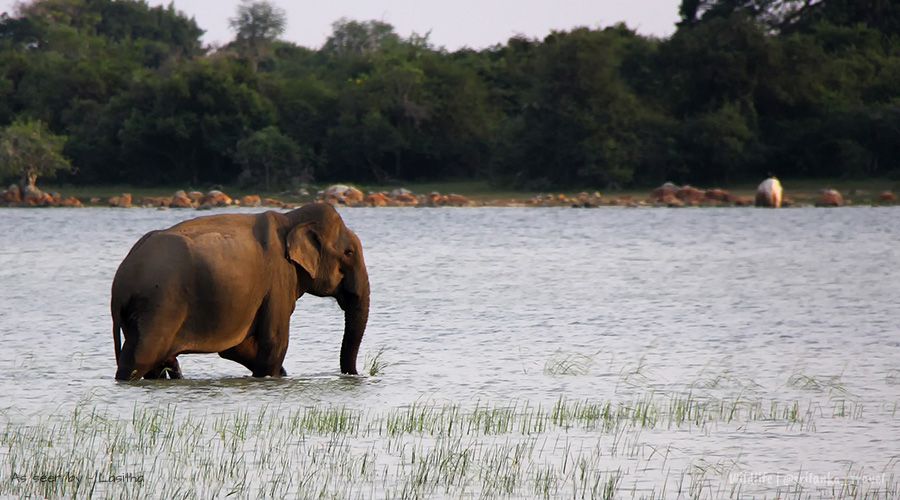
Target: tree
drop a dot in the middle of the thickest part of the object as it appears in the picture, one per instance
(350, 37)
(270, 152)
(29, 149)
(257, 25)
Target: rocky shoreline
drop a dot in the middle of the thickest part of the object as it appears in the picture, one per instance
(667, 195)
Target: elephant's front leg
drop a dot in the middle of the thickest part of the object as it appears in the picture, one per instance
(263, 351)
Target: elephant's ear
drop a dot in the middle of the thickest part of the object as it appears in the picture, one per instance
(303, 247)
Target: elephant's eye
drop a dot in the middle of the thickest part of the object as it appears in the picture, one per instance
(348, 252)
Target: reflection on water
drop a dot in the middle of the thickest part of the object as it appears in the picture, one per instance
(518, 304)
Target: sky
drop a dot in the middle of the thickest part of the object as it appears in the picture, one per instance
(453, 23)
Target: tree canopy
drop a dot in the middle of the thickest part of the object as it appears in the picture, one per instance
(29, 150)
(742, 88)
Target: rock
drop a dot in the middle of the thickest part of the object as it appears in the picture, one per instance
(121, 201)
(251, 200)
(661, 192)
(769, 193)
(377, 200)
(457, 200)
(180, 200)
(342, 194)
(272, 202)
(195, 196)
(720, 195)
(400, 192)
(353, 196)
(672, 200)
(155, 201)
(887, 197)
(216, 198)
(13, 194)
(830, 198)
(95, 200)
(48, 200)
(744, 201)
(584, 200)
(71, 202)
(33, 197)
(336, 190)
(690, 195)
(405, 199)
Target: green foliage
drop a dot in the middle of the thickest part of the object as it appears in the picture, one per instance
(356, 38)
(29, 150)
(256, 25)
(743, 88)
(270, 156)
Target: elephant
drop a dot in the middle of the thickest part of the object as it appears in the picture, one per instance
(228, 284)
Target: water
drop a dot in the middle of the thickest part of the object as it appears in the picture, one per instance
(499, 305)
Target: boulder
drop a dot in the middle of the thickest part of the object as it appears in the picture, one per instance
(744, 201)
(377, 200)
(251, 200)
(887, 197)
(672, 200)
(71, 202)
(155, 201)
(121, 201)
(33, 197)
(272, 202)
(456, 200)
(336, 190)
(830, 198)
(405, 199)
(661, 192)
(195, 196)
(769, 193)
(720, 195)
(180, 200)
(690, 195)
(342, 194)
(584, 200)
(353, 196)
(400, 192)
(13, 194)
(216, 198)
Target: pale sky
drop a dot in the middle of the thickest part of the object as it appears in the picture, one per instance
(453, 23)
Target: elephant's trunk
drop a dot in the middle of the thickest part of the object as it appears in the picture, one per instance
(356, 315)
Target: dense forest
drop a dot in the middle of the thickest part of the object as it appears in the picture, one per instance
(800, 88)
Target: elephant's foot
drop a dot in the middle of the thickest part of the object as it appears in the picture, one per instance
(281, 372)
(173, 369)
(170, 368)
(126, 374)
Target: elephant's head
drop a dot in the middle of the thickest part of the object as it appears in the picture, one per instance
(329, 262)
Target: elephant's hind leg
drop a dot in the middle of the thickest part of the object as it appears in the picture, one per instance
(173, 369)
(147, 343)
(169, 367)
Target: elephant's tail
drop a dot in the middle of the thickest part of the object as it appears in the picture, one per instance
(117, 332)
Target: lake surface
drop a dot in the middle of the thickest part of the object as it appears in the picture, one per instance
(503, 306)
